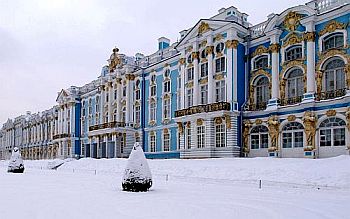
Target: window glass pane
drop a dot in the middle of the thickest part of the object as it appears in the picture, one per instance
(287, 140)
(325, 137)
(264, 141)
(298, 139)
(339, 137)
(254, 141)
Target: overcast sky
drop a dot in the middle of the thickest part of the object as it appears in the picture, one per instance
(47, 45)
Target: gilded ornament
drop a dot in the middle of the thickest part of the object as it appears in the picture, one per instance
(199, 122)
(129, 77)
(218, 120)
(283, 88)
(219, 76)
(331, 27)
(246, 129)
(219, 54)
(274, 48)
(166, 65)
(189, 84)
(218, 37)
(292, 39)
(209, 50)
(273, 124)
(203, 81)
(260, 50)
(188, 124)
(165, 131)
(228, 121)
(203, 43)
(310, 121)
(195, 55)
(189, 49)
(319, 78)
(292, 20)
(182, 61)
(231, 44)
(258, 121)
(203, 27)
(114, 60)
(309, 36)
(291, 118)
(331, 112)
(180, 127)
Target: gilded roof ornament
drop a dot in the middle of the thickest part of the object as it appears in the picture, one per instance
(292, 39)
(203, 27)
(292, 20)
(260, 50)
(331, 27)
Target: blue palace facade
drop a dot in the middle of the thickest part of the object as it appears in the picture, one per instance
(227, 88)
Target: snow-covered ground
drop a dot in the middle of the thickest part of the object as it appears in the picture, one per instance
(206, 188)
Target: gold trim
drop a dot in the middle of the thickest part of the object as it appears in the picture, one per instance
(129, 77)
(195, 55)
(228, 121)
(247, 124)
(231, 44)
(182, 61)
(292, 20)
(273, 124)
(291, 118)
(209, 49)
(180, 127)
(292, 40)
(331, 112)
(218, 37)
(199, 122)
(189, 84)
(217, 120)
(189, 49)
(203, 43)
(219, 76)
(331, 26)
(260, 50)
(203, 80)
(258, 121)
(203, 27)
(165, 131)
(309, 36)
(310, 121)
(274, 48)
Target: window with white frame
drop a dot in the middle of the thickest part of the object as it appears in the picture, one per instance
(97, 118)
(153, 109)
(153, 90)
(332, 41)
(332, 132)
(106, 117)
(219, 47)
(123, 114)
(179, 100)
(293, 135)
(204, 70)
(115, 115)
(83, 109)
(115, 94)
(189, 59)
(334, 77)
(295, 83)
(90, 106)
(166, 141)
(179, 82)
(152, 140)
(137, 94)
(166, 108)
(122, 143)
(167, 86)
(220, 64)
(201, 136)
(204, 54)
(204, 94)
(220, 91)
(189, 96)
(124, 91)
(190, 74)
(293, 53)
(166, 73)
(137, 114)
(262, 90)
(107, 97)
(220, 135)
(97, 104)
(188, 137)
(259, 137)
(261, 62)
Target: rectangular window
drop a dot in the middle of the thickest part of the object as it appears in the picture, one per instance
(153, 111)
(204, 70)
(122, 143)
(189, 97)
(166, 143)
(137, 94)
(201, 136)
(220, 64)
(137, 114)
(153, 90)
(298, 140)
(287, 140)
(190, 73)
(339, 137)
(220, 91)
(107, 98)
(166, 86)
(264, 140)
(152, 143)
(220, 135)
(166, 109)
(325, 137)
(115, 94)
(204, 94)
(188, 137)
(254, 141)
(124, 91)
(82, 149)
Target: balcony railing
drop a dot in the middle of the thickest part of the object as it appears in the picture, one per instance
(203, 109)
(257, 106)
(331, 94)
(109, 125)
(65, 135)
(291, 100)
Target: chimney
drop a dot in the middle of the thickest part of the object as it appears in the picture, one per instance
(163, 43)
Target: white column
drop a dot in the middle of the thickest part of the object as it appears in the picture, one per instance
(127, 99)
(102, 104)
(183, 79)
(210, 50)
(274, 47)
(119, 95)
(110, 100)
(195, 57)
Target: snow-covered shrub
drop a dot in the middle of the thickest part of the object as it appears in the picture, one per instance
(16, 162)
(137, 176)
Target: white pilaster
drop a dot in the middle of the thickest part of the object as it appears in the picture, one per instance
(310, 61)
(274, 47)
(210, 50)
(183, 79)
(195, 57)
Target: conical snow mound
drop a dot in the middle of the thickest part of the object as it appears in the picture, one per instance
(16, 162)
(137, 176)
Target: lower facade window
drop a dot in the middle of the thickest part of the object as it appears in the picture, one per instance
(332, 132)
(189, 97)
(293, 135)
(204, 94)
(201, 136)
(152, 143)
(188, 137)
(220, 135)
(220, 91)
(166, 142)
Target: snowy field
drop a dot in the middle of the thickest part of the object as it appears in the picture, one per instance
(206, 188)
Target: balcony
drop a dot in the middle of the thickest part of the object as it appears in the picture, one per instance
(331, 94)
(257, 106)
(203, 109)
(65, 135)
(291, 100)
(109, 125)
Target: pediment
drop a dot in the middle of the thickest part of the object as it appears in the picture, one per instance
(61, 96)
(201, 28)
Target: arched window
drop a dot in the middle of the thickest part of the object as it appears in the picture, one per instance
(204, 54)
(262, 91)
(332, 41)
(166, 85)
(261, 62)
(293, 53)
(220, 47)
(295, 83)
(334, 75)
(332, 132)
(293, 135)
(189, 59)
(259, 137)
(166, 108)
